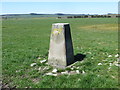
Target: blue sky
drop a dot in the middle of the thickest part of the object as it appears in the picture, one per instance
(59, 7)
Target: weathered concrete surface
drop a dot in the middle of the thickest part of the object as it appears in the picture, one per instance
(61, 48)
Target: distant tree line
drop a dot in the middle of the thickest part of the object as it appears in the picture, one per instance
(94, 16)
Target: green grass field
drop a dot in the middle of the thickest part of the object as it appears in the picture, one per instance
(25, 40)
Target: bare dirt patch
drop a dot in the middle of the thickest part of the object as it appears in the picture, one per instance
(102, 27)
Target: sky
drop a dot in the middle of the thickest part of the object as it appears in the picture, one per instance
(59, 7)
(60, 0)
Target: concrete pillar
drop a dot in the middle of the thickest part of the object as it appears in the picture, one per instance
(61, 48)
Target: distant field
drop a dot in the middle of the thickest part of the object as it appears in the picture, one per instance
(25, 40)
(37, 16)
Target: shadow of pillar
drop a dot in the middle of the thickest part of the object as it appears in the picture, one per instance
(79, 57)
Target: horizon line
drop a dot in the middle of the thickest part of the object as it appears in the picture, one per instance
(55, 13)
